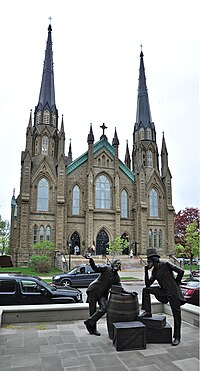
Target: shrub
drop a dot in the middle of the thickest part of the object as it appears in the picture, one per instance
(40, 263)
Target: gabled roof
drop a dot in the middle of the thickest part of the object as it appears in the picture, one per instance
(101, 144)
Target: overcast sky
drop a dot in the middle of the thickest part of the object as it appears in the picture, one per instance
(96, 48)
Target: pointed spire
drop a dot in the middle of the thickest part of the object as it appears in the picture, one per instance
(164, 147)
(90, 138)
(62, 131)
(13, 200)
(47, 91)
(127, 160)
(115, 141)
(164, 158)
(143, 109)
(30, 120)
(69, 157)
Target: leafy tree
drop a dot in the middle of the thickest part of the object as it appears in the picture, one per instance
(117, 246)
(191, 249)
(181, 220)
(4, 236)
(192, 240)
(44, 246)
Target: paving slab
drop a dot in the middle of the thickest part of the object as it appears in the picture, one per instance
(66, 346)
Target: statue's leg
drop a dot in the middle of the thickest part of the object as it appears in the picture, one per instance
(146, 298)
(100, 311)
(176, 311)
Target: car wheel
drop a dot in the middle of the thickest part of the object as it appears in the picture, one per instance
(66, 283)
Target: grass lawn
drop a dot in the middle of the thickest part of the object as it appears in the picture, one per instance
(29, 271)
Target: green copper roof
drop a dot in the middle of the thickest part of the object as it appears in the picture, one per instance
(103, 143)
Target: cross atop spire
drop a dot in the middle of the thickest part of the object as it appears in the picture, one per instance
(103, 136)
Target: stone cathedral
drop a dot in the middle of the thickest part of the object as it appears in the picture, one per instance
(96, 197)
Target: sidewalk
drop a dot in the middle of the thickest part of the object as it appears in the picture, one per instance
(67, 346)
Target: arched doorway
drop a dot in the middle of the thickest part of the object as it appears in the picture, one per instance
(102, 243)
(75, 239)
(125, 236)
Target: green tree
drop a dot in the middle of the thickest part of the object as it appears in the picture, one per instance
(181, 220)
(192, 241)
(44, 246)
(4, 236)
(117, 246)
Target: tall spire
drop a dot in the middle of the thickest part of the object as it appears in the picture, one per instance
(143, 114)
(143, 109)
(115, 141)
(164, 158)
(47, 92)
(90, 138)
(127, 160)
(69, 157)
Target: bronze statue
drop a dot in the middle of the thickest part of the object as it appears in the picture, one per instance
(167, 291)
(98, 290)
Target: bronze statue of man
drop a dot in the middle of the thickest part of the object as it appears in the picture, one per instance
(167, 291)
(98, 290)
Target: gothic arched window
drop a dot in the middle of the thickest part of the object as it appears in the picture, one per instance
(150, 237)
(76, 201)
(38, 118)
(46, 117)
(149, 133)
(160, 239)
(141, 133)
(41, 233)
(153, 202)
(102, 192)
(155, 238)
(43, 195)
(35, 230)
(36, 146)
(53, 119)
(124, 204)
(149, 159)
(48, 233)
(45, 145)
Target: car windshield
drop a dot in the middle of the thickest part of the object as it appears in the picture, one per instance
(47, 285)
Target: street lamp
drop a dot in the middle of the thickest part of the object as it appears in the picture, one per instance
(69, 243)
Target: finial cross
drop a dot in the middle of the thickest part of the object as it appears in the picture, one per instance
(50, 18)
(103, 127)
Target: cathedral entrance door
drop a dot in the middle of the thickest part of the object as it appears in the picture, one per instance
(102, 243)
(75, 238)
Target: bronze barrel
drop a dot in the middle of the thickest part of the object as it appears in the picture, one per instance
(122, 307)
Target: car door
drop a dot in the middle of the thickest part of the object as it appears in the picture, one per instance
(33, 293)
(8, 292)
(79, 277)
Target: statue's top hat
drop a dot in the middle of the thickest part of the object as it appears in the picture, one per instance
(151, 253)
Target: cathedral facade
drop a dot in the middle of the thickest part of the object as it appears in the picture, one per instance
(96, 197)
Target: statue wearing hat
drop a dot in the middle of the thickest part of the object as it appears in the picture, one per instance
(167, 291)
(97, 292)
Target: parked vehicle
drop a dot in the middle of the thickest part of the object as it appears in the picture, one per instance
(80, 276)
(19, 289)
(195, 273)
(190, 289)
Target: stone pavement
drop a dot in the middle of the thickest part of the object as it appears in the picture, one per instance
(65, 346)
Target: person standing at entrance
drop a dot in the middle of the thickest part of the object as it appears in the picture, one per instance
(98, 290)
(167, 291)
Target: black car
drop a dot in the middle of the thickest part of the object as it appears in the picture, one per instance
(80, 276)
(190, 289)
(18, 289)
